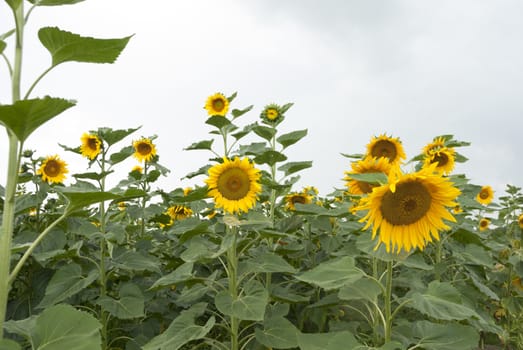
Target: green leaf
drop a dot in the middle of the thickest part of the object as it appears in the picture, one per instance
(374, 178)
(217, 121)
(25, 116)
(254, 149)
(65, 46)
(270, 157)
(182, 330)
(62, 327)
(2, 46)
(437, 336)
(129, 305)
(66, 282)
(277, 332)
(364, 288)
(181, 274)
(250, 305)
(328, 341)
(21, 327)
(239, 112)
(8, 344)
(291, 138)
(54, 2)
(205, 144)
(269, 262)
(441, 301)
(122, 155)
(332, 274)
(135, 261)
(264, 131)
(111, 136)
(292, 167)
(78, 198)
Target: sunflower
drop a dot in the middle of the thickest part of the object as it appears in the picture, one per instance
(520, 221)
(234, 185)
(297, 197)
(409, 210)
(217, 104)
(365, 166)
(179, 212)
(144, 150)
(457, 209)
(272, 114)
(187, 190)
(443, 157)
(388, 147)
(53, 169)
(91, 146)
(483, 224)
(485, 195)
(436, 144)
(137, 168)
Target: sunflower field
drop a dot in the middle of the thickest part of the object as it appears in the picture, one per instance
(245, 259)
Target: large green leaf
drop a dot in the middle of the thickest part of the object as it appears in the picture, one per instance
(62, 327)
(8, 344)
(79, 198)
(268, 262)
(328, 341)
(270, 157)
(65, 46)
(182, 330)
(250, 305)
(264, 131)
(278, 332)
(113, 136)
(291, 138)
(364, 288)
(205, 144)
(181, 274)
(136, 261)
(293, 167)
(129, 305)
(25, 116)
(441, 301)
(332, 274)
(54, 2)
(375, 178)
(66, 282)
(437, 336)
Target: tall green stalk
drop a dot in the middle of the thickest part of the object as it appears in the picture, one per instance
(13, 165)
(388, 301)
(232, 268)
(104, 315)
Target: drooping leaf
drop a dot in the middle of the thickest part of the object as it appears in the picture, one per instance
(363, 289)
(181, 274)
(332, 274)
(250, 305)
(277, 332)
(205, 144)
(239, 112)
(270, 157)
(65, 46)
(78, 198)
(439, 336)
(291, 138)
(121, 155)
(62, 327)
(130, 303)
(66, 282)
(182, 330)
(292, 167)
(25, 116)
(218, 121)
(54, 2)
(328, 341)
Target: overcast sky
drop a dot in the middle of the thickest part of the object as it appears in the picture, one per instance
(353, 69)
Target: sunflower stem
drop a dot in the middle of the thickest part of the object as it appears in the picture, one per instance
(388, 297)
(377, 311)
(268, 275)
(104, 316)
(439, 246)
(232, 266)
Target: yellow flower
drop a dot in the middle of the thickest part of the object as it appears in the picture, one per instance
(365, 166)
(234, 185)
(520, 221)
(388, 147)
(217, 104)
(435, 145)
(53, 169)
(485, 195)
(272, 114)
(91, 146)
(409, 210)
(33, 212)
(457, 209)
(483, 224)
(122, 206)
(443, 157)
(187, 190)
(179, 212)
(144, 150)
(297, 197)
(137, 168)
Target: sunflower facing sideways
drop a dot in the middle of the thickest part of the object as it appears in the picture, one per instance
(443, 157)
(484, 224)
(388, 147)
(365, 166)
(409, 210)
(217, 104)
(302, 197)
(520, 221)
(485, 195)
(436, 144)
(144, 150)
(234, 185)
(53, 169)
(91, 146)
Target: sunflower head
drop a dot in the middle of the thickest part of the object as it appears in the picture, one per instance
(179, 212)
(137, 168)
(234, 185)
(217, 104)
(457, 209)
(53, 169)
(436, 144)
(485, 195)
(302, 197)
(520, 221)
(409, 210)
(144, 150)
(484, 224)
(91, 146)
(366, 166)
(272, 114)
(388, 147)
(443, 157)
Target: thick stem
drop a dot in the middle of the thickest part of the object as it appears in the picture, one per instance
(388, 297)
(232, 266)
(104, 316)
